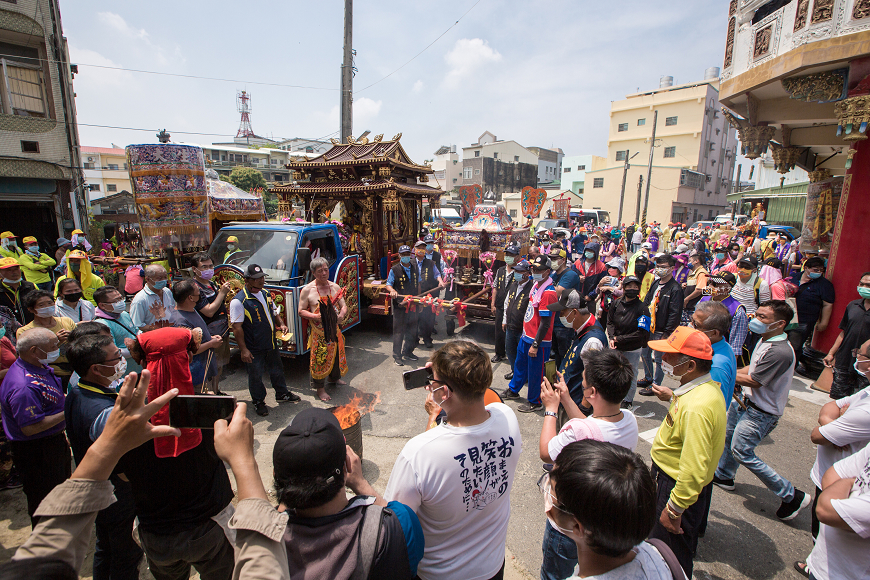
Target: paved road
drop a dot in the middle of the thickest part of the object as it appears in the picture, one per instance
(744, 539)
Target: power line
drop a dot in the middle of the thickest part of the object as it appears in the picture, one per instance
(189, 132)
(422, 51)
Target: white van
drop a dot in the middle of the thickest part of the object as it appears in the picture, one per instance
(739, 219)
(448, 214)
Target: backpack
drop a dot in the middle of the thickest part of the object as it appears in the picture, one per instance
(370, 533)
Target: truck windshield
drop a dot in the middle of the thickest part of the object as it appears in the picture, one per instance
(273, 251)
(603, 217)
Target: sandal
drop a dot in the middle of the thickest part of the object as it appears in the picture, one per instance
(802, 568)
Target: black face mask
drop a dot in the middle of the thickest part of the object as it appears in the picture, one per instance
(640, 271)
(74, 297)
(632, 294)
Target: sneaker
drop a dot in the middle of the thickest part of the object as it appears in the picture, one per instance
(429, 344)
(398, 362)
(530, 407)
(646, 392)
(496, 359)
(412, 356)
(262, 409)
(726, 484)
(288, 397)
(509, 394)
(509, 375)
(627, 405)
(644, 383)
(789, 510)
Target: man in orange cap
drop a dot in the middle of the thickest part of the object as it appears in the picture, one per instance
(36, 265)
(689, 443)
(13, 289)
(8, 246)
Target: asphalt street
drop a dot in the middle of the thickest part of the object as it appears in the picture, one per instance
(744, 539)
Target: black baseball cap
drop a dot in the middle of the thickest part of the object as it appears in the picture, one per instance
(254, 271)
(541, 262)
(521, 266)
(404, 249)
(429, 239)
(630, 280)
(750, 260)
(513, 248)
(313, 445)
(723, 278)
(773, 261)
(419, 243)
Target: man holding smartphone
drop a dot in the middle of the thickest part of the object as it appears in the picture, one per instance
(254, 321)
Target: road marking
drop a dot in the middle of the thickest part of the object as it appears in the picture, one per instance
(649, 435)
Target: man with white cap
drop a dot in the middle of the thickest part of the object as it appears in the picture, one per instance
(36, 265)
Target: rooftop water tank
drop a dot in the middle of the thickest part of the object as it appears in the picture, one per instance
(666, 81)
(711, 73)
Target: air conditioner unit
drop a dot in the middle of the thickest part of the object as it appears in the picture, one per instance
(90, 159)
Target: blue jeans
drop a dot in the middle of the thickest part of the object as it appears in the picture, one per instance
(560, 554)
(633, 357)
(647, 356)
(511, 342)
(530, 369)
(743, 433)
(257, 366)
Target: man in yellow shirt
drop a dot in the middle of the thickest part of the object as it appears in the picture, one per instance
(36, 265)
(688, 445)
(79, 267)
(8, 246)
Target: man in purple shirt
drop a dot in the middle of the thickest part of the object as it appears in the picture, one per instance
(31, 401)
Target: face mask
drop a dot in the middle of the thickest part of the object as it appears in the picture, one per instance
(509, 260)
(74, 297)
(863, 292)
(8, 281)
(430, 247)
(640, 271)
(814, 275)
(231, 246)
(564, 321)
(34, 250)
(120, 370)
(662, 272)
(207, 274)
(855, 366)
(537, 277)
(119, 306)
(589, 255)
(518, 276)
(669, 370)
(720, 256)
(2, 331)
(45, 312)
(160, 285)
(758, 327)
(50, 357)
(74, 266)
(13, 243)
(632, 294)
(406, 260)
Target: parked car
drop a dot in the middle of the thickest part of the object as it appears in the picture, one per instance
(738, 220)
(790, 231)
(697, 227)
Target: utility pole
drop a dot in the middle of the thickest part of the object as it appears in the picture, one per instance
(734, 203)
(652, 148)
(347, 75)
(639, 189)
(622, 192)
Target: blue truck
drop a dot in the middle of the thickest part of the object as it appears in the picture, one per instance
(285, 251)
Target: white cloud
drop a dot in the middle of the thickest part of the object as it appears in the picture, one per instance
(117, 22)
(365, 110)
(418, 86)
(138, 40)
(466, 57)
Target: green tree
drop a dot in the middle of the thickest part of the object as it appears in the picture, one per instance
(247, 178)
(224, 178)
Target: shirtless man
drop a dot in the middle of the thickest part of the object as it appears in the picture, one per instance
(327, 348)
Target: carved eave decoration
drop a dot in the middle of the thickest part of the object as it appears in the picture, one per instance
(819, 175)
(853, 114)
(785, 158)
(754, 140)
(823, 87)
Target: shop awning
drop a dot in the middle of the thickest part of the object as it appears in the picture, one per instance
(24, 189)
(793, 190)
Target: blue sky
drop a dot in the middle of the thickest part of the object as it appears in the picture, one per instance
(541, 72)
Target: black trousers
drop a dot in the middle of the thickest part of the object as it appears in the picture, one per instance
(42, 463)
(683, 545)
(426, 324)
(404, 330)
(499, 333)
(815, 525)
(117, 554)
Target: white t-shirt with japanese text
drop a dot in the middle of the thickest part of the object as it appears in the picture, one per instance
(850, 432)
(841, 554)
(458, 480)
(623, 433)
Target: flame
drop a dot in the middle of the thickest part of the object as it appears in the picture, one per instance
(361, 403)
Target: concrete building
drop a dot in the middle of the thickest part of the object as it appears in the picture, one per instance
(574, 168)
(693, 159)
(270, 162)
(304, 145)
(447, 167)
(105, 171)
(498, 166)
(41, 185)
(549, 165)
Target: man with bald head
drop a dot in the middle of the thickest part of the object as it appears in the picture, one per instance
(31, 402)
(153, 305)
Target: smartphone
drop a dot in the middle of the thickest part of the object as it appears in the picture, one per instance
(199, 411)
(417, 378)
(551, 372)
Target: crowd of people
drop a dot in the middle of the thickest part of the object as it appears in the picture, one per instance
(614, 321)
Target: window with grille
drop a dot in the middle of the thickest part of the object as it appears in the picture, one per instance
(622, 127)
(517, 158)
(24, 91)
(94, 187)
(670, 152)
(495, 155)
(466, 172)
(113, 166)
(513, 213)
(641, 122)
(581, 168)
(669, 121)
(598, 182)
(111, 187)
(620, 155)
(477, 153)
(566, 170)
(477, 171)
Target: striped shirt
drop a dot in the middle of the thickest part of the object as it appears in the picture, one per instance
(745, 294)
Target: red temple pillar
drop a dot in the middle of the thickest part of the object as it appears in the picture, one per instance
(850, 248)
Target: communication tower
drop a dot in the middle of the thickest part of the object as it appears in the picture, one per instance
(243, 105)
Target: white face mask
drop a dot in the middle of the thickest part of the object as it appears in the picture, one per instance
(857, 370)
(669, 369)
(45, 312)
(231, 246)
(564, 321)
(119, 306)
(50, 357)
(120, 370)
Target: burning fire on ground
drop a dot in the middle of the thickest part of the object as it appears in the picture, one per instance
(361, 404)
